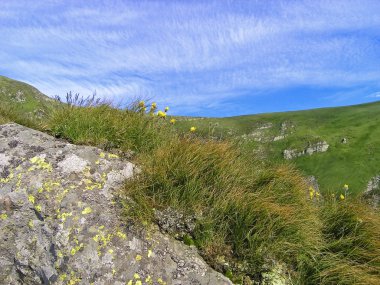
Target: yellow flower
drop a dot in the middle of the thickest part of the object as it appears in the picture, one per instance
(345, 186)
(161, 114)
(172, 121)
(166, 109)
(311, 193)
(193, 129)
(141, 104)
(341, 197)
(154, 105)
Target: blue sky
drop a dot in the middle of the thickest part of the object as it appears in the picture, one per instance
(202, 58)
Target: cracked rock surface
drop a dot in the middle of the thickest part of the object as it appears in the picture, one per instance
(60, 222)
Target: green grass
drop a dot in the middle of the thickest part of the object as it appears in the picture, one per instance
(23, 104)
(109, 128)
(249, 214)
(246, 214)
(353, 163)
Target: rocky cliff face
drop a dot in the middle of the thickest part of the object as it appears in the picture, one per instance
(60, 220)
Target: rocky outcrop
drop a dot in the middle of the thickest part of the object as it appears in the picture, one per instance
(372, 193)
(286, 128)
(321, 146)
(60, 220)
(260, 133)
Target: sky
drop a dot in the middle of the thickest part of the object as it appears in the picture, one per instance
(200, 58)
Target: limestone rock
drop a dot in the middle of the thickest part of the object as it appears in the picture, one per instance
(60, 220)
(277, 138)
(372, 193)
(320, 146)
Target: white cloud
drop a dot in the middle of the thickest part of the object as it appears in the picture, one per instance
(374, 95)
(189, 53)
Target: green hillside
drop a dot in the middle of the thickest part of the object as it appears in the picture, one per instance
(22, 101)
(354, 162)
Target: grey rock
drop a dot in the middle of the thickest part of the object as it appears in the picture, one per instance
(312, 182)
(277, 138)
(264, 126)
(320, 146)
(372, 192)
(174, 222)
(60, 220)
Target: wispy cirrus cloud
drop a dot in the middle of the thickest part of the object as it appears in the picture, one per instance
(197, 56)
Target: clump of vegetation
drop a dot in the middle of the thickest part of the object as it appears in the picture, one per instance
(248, 215)
(93, 122)
(351, 250)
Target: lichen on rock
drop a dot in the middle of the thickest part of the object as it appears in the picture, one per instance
(60, 221)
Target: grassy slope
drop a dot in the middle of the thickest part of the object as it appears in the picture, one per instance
(353, 163)
(22, 102)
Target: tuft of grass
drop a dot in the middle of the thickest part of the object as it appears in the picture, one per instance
(106, 127)
(351, 251)
(249, 215)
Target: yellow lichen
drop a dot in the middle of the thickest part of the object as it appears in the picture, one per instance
(121, 235)
(64, 216)
(149, 252)
(40, 163)
(86, 211)
(31, 199)
(138, 257)
(62, 277)
(8, 178)
(38, 208)
(111, 155)
(136, 276)
(149, 280)
(74, 250)
(102, 155)
(3, 216)
(31, 224)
